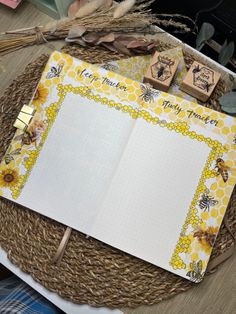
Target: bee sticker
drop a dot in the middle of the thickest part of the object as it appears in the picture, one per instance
(222, 169)
(196, 274)
(207, 237)
(148, 94)
(55, 71)
(32, 134)
(27, 138)
(11, 154)
(207, 201)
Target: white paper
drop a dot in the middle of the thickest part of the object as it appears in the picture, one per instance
(149, 196)
(127, 182)
(74, 170)
(135, 168)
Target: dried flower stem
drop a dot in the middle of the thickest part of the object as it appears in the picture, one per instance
(139, 17)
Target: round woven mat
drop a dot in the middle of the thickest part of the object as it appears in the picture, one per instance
(90, 271)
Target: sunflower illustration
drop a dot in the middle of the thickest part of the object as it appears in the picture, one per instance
(40, 95)
(9, 177)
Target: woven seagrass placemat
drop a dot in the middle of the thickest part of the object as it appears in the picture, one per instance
(90, 271)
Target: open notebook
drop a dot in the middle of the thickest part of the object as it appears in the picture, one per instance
(141, 170)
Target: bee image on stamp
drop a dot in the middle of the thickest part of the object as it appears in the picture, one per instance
(200, 81)
(162, 69)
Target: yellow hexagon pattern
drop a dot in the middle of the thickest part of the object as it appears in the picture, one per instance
(139, 101)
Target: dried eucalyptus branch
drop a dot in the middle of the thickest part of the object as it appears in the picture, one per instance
(127, 44)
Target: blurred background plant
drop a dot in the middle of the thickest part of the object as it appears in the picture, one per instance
(215, 26)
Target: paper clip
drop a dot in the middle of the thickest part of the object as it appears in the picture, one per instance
(24, 118)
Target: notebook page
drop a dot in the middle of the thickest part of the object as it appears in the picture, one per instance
(74, 170)
(64, 166)
(149, 197)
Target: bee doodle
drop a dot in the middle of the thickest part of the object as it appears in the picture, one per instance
(206, 201)
(55, 71)
(148, 94)
(196, 274)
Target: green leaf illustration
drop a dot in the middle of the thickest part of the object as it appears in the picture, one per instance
(8, 159)
(199, 266)
(16, 152)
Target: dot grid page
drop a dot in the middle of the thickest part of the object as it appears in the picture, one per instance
(75, 167)
(150, 194)
(103, 162)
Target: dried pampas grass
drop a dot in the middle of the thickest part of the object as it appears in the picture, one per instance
(124, 7)
(91, 7)
(137, 21)
(75, 7)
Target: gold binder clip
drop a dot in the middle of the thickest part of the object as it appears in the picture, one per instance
(25, 116)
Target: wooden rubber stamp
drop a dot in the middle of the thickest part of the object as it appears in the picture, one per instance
(200, 81)
(161, 71)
